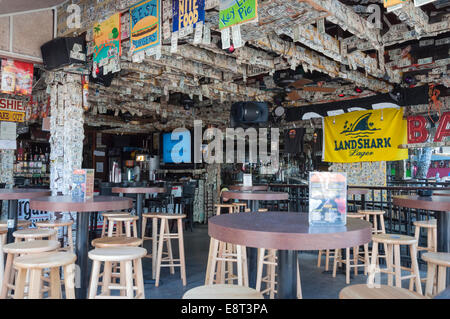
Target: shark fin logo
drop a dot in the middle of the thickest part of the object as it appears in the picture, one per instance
(362, 127)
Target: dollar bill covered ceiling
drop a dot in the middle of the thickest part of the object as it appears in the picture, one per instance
(329, 49)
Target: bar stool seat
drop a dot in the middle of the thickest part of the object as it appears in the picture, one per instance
(35, 264)
(222, 291)
(230, 207)
(33, 234)
(59, 223)
(106, 242)
(128, 220)
(20, 224)
(437, 264)
(106, 215)
(383, 292)
(131, 276)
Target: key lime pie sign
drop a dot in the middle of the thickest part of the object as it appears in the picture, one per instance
(233, 12)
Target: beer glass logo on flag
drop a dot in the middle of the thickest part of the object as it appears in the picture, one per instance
(365, 136)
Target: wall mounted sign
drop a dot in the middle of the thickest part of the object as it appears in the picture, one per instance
(145, 21)
(12, 110)
(234, 12)
(186, 13)
(365, 136)
(16, 77)
(418, 132)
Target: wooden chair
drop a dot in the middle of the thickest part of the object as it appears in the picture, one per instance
(220, 206)
(238, 207)
(56, 225)
(131, 276)
(222, 291)
(111, 214)
(166, 236)
(268, 258)
(34, 234)
(437, 264)
(14, 250)
(393, 243)
(431, 228)
(352, 262)
(35, 264)
(128, 221)
(383, 292)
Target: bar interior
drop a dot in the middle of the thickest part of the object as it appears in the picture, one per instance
(218, 149)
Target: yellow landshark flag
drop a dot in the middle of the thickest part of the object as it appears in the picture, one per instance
(365, 136)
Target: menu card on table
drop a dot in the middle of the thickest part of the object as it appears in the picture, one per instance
(83, 184)
(327, 199)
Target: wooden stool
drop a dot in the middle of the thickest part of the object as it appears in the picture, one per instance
(393, 243)
(431, 227)
(35, 264)
(153, 238)
(436, 260)
(14, 250)
(56, 224)
(223, 255)
(270, 260)
(130, 225)
(260, 210)
(382, 292)
(21, 224)
(130, 270)
(222, 292)
(220, 206)
(111, 214)
(237, 207)
(33, 234)
(378, 226)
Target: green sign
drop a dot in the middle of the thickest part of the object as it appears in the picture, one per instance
(234, 12)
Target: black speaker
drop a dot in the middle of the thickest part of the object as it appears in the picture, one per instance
(249, 113)
(102, 79)
(61, 52)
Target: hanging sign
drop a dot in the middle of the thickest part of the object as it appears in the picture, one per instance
(12, 110)
(186, 13)
(418, 132)
(107, 35)
(145, 20)
(234, 12)
(365, 136)
(391, 3)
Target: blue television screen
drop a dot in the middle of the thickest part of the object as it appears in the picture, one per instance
(177, 147)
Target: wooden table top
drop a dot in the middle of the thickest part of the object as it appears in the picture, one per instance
(357, 191)
(67, 204)
(287, 231)
(249, 188)
(23, 193)
(441, 193)
(434, 203)
(255, 195)
(138, 190)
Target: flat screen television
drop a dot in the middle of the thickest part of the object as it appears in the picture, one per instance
(177, 147)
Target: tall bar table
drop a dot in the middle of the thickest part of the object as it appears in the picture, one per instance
(12, 196)
(253, 198)
(286, 232)
(83, 208)
(240, 187)
(438, 204)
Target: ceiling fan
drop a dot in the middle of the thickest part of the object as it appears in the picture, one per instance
(290, 82)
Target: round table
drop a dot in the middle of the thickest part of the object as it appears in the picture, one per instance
(287, 232)
(253, 198)
(67, 204)
(439, 204)
(249, 188)
(139, 191)
(441, 193)
(12, 196)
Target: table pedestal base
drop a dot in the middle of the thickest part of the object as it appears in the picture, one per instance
(82, 248)
(12, 215)
(287, 274)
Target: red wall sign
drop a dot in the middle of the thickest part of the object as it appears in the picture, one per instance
(418, 132)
